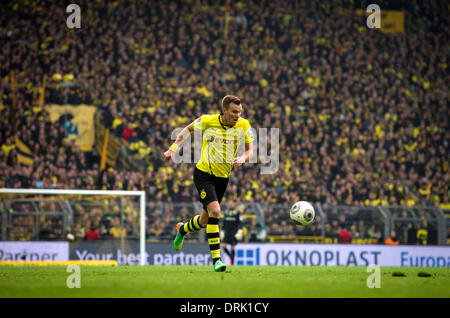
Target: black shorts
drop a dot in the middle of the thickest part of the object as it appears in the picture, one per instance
(230, 238)
(210, 188)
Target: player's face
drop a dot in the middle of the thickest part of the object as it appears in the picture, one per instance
(232, 114)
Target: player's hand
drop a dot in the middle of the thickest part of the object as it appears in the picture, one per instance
(238, 161)
(168, 155)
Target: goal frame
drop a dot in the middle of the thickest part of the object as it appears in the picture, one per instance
(140, 194)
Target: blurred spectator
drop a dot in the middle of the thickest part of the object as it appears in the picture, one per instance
(45, 233)
(80, 232)
(361, 231)
(116, 230)
(422, 236)
(261, 234)
(392, 239)
(344, 235)
(92, 233)
(412, 234)
(332, 232)
(257, 233)
(375, 234)
(70, 234)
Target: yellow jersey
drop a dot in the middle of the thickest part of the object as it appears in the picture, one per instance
(220, 143)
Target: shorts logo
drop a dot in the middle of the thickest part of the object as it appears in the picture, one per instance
(203, 194)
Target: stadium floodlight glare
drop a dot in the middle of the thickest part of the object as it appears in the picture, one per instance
(140, 194)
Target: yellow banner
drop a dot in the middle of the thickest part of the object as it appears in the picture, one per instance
(78, 122)
(391, 21)
(25, 160)
(21, 146)
(24, 154)
(108, 147)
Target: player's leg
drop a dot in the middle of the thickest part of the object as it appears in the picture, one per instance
(206, 190)
(203, 218)
(232, 253)
(228, 241)
(193, 225)
(225, 249)
(199, 221)
(213, 235)
(211, 190)
(212, 228)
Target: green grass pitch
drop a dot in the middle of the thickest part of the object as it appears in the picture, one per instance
(236, 282)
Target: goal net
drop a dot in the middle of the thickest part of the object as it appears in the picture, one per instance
(55, 224)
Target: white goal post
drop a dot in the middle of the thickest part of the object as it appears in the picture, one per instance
(140, 194)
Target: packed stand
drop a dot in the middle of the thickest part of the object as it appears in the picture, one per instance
(363, 116)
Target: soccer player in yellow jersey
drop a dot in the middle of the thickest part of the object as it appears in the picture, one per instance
(222, 136)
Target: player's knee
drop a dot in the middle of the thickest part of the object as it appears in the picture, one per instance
(214, 210)
(214, 213)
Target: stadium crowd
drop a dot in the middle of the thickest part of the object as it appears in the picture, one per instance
(363, 115)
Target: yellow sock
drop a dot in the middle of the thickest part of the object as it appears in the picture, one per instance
(212, 233)
(192, 225)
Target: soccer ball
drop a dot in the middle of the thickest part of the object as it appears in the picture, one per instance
(302, 213)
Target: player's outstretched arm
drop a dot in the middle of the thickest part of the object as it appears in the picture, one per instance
(182, 136)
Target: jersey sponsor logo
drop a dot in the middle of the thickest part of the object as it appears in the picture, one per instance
(224, 141)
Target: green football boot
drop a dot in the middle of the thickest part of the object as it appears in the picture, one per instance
(179, 239)
(219, 266)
